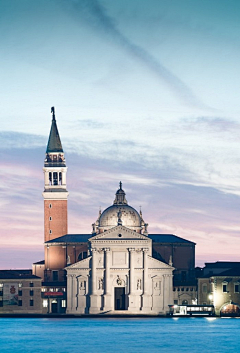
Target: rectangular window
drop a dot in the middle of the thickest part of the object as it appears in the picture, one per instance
(20, 303)
(175, 302)
(31, 284)
(236, 288)
(63, 303)
(55, 275)
(1, 292)
(45, 303)
(31, 293)
(1, 303)
(204, 288)
(224, 288)
(20, 292)
(31, 302)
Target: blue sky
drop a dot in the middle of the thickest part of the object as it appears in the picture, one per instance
(146, 92)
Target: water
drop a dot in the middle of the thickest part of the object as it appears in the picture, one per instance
(120, 335)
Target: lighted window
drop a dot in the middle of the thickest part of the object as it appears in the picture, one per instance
(19, 285)
(51, 290)
(224, 287)
(45, 303)
(63, 303)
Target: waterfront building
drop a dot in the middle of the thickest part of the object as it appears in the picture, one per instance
(219, 285)
(20, 292)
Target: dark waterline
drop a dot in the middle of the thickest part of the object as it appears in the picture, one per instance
(120, 335)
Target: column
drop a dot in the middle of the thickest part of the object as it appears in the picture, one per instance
(107, 284)
(145, 271)
(63, 177)
(46, 177)
(146, 307)
(69, 294)
(132, 305)
(131, 259)
(94, 298)
(93, 269)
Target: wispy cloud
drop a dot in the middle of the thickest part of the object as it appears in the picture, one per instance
(96, 15)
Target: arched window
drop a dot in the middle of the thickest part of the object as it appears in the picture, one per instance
(82, 255)
(184, 302)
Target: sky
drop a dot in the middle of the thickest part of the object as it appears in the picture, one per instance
(146, 92)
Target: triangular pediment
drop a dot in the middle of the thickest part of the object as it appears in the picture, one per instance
(85, 263)
(119, 233)
(154, 263)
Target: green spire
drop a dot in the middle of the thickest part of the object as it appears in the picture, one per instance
(54, 142)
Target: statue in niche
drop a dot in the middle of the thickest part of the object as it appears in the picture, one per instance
(139, 284)
(119, 281)
(68, 260)
(100, 283)
(82, 285)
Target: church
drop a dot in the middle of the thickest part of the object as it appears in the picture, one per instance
(119, 268)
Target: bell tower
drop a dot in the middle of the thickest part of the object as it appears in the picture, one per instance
(55, 192)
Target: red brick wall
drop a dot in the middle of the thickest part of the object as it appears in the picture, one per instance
(58, 225)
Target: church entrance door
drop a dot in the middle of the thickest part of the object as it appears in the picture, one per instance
(54, 307)
(120, 298)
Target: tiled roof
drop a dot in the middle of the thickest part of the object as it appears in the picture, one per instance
(71, 238)
(83, 238)
(222, 264)
(17, 274)
(42, 262)
(168, 238)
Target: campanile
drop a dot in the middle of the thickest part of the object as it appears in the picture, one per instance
(55, 192)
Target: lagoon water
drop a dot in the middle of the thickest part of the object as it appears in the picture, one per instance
(120, 335)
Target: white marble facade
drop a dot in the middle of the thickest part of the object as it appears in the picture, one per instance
(119, 276)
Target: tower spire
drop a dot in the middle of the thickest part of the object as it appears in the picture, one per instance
(54, 141)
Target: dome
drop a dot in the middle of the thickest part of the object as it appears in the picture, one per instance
(115, 214)
(120, 213)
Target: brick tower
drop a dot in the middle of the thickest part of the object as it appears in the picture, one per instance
(55, 193)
